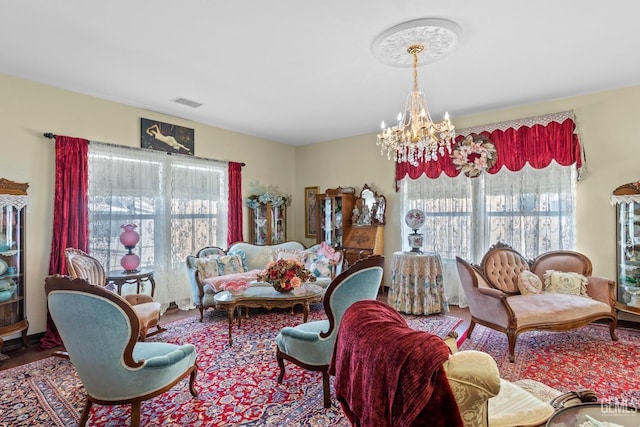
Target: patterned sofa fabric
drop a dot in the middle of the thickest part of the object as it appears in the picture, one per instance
(213, 267)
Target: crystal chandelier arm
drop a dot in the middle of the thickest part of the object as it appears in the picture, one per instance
(416, 137)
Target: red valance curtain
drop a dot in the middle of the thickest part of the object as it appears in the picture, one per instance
(535, 140)
(234, 213)
(70, 213)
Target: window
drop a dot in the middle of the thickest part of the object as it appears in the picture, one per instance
(532, 210)
(525, 198)
(178, 203)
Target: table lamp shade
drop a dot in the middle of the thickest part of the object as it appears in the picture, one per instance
(129, 236)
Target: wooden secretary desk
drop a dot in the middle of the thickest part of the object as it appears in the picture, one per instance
(364, 236)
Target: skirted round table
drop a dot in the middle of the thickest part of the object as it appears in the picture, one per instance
(417, 285)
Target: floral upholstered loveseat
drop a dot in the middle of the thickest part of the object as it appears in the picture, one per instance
(212, 268)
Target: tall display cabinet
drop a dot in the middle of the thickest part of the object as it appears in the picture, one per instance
(13, 299)
(267, 221)
(627, 201)
(334, 209)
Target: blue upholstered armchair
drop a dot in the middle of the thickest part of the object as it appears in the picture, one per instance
(310, 345)
(99, 330)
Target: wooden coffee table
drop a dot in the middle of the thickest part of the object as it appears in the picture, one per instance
(267, 297)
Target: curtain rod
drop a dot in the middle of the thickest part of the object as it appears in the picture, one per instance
(53, 136)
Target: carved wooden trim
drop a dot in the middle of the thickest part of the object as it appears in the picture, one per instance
(12, 187)
(627, 189)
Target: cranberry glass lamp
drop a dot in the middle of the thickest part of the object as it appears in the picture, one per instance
(130, 238)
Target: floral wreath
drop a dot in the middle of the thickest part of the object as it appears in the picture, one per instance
(474, 154)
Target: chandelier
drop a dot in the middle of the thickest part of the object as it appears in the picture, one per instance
(416, 137)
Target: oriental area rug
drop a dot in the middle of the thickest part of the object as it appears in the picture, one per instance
(566, 361)
(237, 385)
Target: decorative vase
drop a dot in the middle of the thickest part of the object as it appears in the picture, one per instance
(415, 219)
(277, 287)
(130, 238)
(7, 288)
(5, 295)
(415, 241)
(634, 295)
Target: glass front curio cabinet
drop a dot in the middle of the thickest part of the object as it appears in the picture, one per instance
(334, 214)
(267, 219)
(13, 302)
(627, 201)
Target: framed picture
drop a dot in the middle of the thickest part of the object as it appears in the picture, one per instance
(310, 209)
(166, 137)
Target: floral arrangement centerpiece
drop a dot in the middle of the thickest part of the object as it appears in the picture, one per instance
(474, 154)
(286, 275)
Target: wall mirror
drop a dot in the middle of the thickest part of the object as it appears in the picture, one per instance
(370, 208)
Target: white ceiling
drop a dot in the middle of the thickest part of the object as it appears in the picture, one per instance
(299, 72)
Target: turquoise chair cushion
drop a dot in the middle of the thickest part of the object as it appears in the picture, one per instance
(304, 342)
(95, 332)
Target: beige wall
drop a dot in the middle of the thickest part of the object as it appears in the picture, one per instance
(28, 109)
(605, 122)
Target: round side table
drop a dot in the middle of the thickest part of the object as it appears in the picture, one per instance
(119, 278)
(417, 284)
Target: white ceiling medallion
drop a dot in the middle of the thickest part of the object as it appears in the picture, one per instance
(438, 36)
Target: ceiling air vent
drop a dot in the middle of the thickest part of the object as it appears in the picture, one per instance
(187, 102)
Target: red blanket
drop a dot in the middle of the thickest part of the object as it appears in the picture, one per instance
(388, 374)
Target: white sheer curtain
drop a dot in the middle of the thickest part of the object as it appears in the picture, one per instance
(448, 207)
(179, 204)
(532, 210)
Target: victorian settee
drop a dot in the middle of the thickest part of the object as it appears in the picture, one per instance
(554, 292)
(212, 268)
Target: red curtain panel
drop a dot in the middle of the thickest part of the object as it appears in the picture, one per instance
(234, 214)
(70, 213)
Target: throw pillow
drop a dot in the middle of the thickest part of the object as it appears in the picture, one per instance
(208, 266)
(565, 283)
(230, 264)
(243, 257)
(321, 267)
(260, 258)
(529, 283)
(295, 254)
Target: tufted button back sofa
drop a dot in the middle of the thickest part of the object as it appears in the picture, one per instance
(494, 292)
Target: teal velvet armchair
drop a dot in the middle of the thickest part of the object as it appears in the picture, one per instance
(310, 345)
(99, 330)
